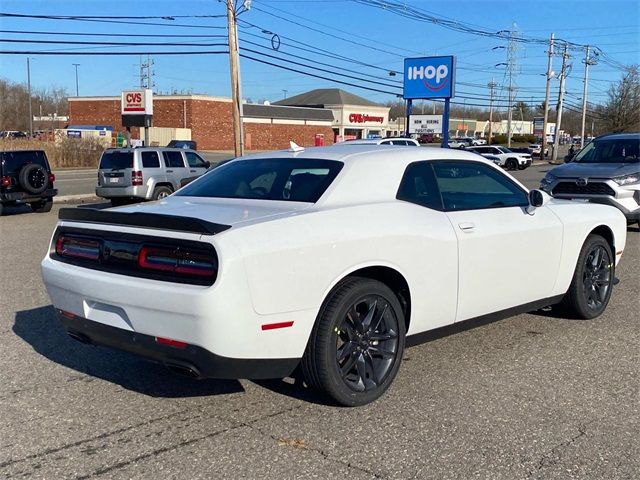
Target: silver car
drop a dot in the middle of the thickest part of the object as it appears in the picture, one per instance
(607, 170)
(149, 173)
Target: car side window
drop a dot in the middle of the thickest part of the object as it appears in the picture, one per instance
(419, 186)
(150, 160)
(194, 160)
(173, 159)
(472, 186)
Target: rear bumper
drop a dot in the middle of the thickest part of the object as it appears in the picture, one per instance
(141, 191)
(197, 360)
(27, 197)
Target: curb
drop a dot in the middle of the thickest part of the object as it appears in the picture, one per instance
(76, 198)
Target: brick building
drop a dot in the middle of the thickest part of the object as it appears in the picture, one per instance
(266, 127)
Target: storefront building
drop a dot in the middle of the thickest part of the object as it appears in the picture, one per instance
(209, 120)
(353, 116)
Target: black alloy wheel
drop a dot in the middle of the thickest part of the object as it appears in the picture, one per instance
(366, 343)
(592, 282)
(356, 346)
(596, 277)
(512, 164)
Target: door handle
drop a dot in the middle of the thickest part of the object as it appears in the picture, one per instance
(192, 171)
(467, 226)
(169, 171)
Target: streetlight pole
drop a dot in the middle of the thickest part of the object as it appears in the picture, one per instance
(76, 65)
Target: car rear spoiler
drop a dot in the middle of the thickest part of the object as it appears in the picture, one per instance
(140, 219)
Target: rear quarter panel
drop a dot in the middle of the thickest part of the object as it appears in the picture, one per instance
(292, 263)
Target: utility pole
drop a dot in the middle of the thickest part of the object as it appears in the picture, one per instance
(546, 97)
(587, 61)
(563, 75)
(233, 64)
(29, 89)
(511, 70)
(76, 65)
(492, 89)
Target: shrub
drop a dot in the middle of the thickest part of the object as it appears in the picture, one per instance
(63, 153)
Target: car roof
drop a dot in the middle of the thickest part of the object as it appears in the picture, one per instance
(620, 136)
(365, 152)
(138, 149)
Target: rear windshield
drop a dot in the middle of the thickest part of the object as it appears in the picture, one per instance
(115, 160)
(610, 151)
(294, 180)
(12, 162)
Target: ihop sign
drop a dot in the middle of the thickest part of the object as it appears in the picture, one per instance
(429, 77)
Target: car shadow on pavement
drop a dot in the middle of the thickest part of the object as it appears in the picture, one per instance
(294, 387)
(40, 328)
(16, 210)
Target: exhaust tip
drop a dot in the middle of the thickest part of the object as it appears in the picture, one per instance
(185, 370)
(80, 337)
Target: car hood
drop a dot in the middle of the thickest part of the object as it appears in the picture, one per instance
(225, 211)
(597, 170)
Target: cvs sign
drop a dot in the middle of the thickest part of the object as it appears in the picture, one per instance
(137, 102)
(429, 77)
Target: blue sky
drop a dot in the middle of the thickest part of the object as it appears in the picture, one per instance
(361, 33)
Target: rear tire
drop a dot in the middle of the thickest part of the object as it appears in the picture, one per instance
(43, 206)
(161, 192)
(592, 282)
(356, 346)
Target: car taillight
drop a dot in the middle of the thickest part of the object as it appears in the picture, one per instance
(176, 260)
(6, 182)
(136, 177)
(77, 247)
(52, 177)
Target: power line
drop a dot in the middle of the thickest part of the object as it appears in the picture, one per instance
(88, 34)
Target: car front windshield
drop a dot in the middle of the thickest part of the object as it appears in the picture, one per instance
(610, 151)
(286, 179)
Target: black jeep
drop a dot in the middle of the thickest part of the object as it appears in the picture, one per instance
(25, 177)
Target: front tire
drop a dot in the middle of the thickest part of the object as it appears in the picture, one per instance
(592, 282)
(512, 164)
(357, 343)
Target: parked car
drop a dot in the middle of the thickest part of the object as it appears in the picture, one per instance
(397, 141)
(26, 177)
(146, 173)
(12, 134)
(536, 148)
(606, 170)
(426, 138)
(188, 144)
(509, 159)
(316, 258)
(460, 142)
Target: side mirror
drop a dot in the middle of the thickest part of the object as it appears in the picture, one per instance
(207, 163)
(537, 198)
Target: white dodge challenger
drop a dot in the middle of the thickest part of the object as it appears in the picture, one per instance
(331, 259)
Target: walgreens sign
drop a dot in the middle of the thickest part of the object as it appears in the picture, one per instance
(364, 118)
(137, 102)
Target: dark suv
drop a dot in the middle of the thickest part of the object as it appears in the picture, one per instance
(25, 177)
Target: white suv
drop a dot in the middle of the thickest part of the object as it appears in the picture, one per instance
(508, 159)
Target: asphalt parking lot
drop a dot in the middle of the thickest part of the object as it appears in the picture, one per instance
(531, 397)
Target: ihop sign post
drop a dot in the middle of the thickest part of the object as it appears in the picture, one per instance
(429, 78)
